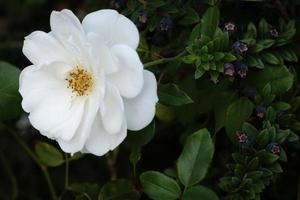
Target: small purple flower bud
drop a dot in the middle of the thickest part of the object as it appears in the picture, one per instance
(143, 17)
(274, 148)
(260, 111)
(229, 69)
(142, 20)
(240, 47)
(242, 69)
(165, 24)
(243, 139)
(229, 27)
(119, 4)
(250, 91)
(274, 33)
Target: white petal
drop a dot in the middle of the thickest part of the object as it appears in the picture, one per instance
(107, 60)
(129, 78)
(36, 82)
(112, 27)
(100, 142)
(140, 110)
(41, 48)
(113, 111)
(68, 30)
(51, 110)
(68, 127)
(65, 25)
(77, 142)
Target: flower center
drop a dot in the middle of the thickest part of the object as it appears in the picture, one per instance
(80, 81)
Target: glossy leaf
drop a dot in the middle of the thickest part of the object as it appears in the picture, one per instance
(48, 154)
(159, 186)
(194, 161)
(170, 94)
(210, 21)
(10, 99)
(199, 192)
(237, 113)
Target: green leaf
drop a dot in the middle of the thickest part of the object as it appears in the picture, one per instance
(85, 191)
(170, 94)
(159, 186)
(279, 77)
(263, 27)
(229, 57)
(237, 113)
(251, 30)
(199, 192)
(210, 21)
(249, 129)
(199, 73)
(280, 105)
(268, 158)
(10, 99)
(191, 17)
(267, 43)
(48, 154)
(117, 190)
(137, 139)
(194, 34)
(270, 58)
(254, 61)
(194, 161)
(262, 139)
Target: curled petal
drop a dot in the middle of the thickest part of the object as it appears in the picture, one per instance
(112, 27)
(83, 131)
(140, 110)
(100, 142)
(38, 82)
(42, 48)
(129, 78)
(113, 111)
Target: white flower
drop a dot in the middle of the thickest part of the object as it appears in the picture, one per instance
(87, 85)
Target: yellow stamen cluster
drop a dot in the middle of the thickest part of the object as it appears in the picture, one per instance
(80, 81)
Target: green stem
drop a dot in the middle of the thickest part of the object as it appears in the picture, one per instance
(10, 174)
(33, 157)
(67, 172)
(49, 182)
(163, 60)
(298, 195)
(111, 160)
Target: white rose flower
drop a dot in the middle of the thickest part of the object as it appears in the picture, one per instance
(87, 85)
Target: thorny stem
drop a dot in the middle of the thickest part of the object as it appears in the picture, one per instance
(163, 60)
(33, 157)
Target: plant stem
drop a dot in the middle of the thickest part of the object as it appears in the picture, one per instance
(66, 172)
(163, 60)
(33, 157)
(111, 160)
(49, 182)
(298, 194)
